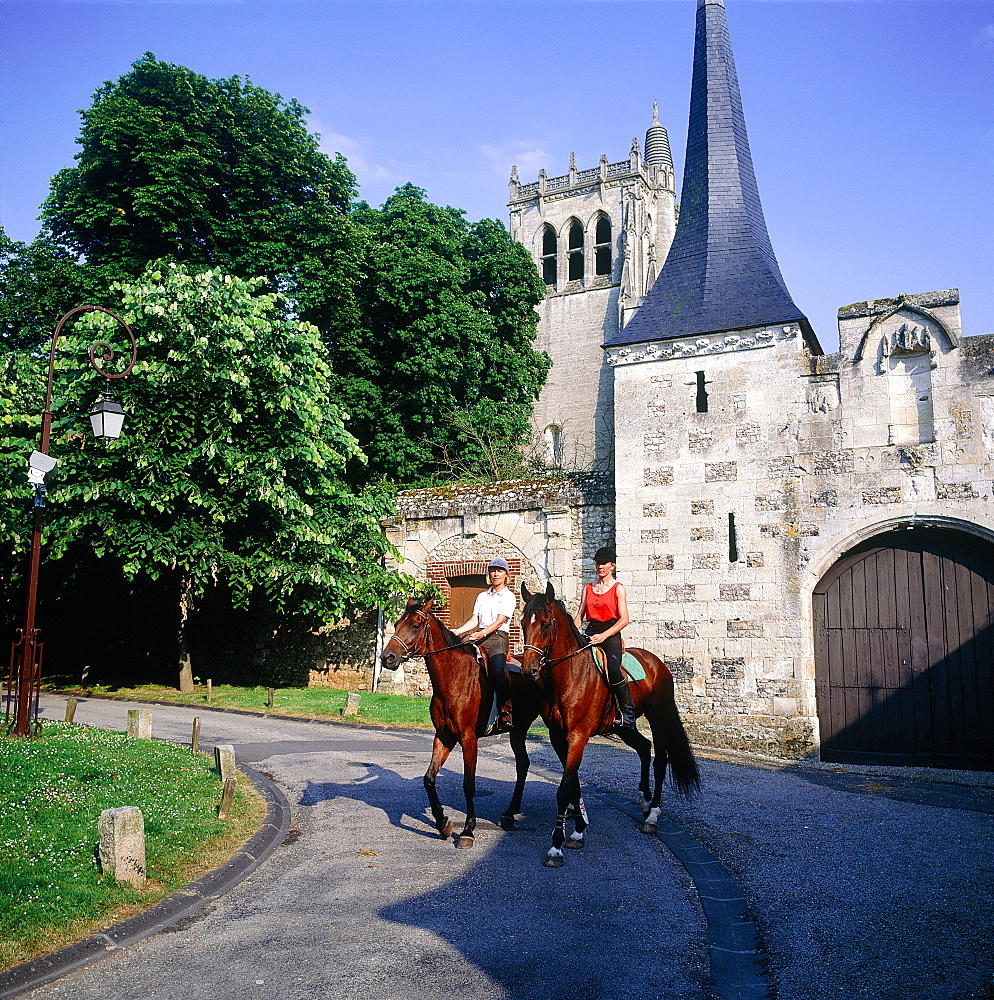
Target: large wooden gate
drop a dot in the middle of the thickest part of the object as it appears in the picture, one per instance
(904, 653)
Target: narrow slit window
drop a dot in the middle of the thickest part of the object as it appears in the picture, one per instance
(602, 246)
(550, 254)
(702, 393)
(575, 246)
(733, 542)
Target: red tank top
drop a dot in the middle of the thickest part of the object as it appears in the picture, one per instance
(601, 607)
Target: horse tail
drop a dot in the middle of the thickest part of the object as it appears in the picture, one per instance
(683, 766)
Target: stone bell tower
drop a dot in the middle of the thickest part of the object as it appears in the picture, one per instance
(599, 237)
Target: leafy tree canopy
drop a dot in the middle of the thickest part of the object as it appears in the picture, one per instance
(214, 174)
(446, 325)
(230, 465)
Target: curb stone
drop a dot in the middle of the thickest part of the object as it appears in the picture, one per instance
(180, 904)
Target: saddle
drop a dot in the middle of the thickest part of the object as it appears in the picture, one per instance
(511, 665)
(630, 667)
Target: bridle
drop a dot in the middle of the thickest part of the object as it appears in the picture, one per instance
(543, 654)
(409, 651)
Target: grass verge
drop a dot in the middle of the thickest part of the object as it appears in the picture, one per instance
(52, 790)
(299, 702)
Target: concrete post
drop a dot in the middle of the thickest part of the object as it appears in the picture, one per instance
(351, 709)
(224, 756)
(122, 844)
(140, 723)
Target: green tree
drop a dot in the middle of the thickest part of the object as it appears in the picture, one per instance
(214, 174)
(230, 467)
(444, 339)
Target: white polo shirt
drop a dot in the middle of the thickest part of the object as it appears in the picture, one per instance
(489, 606)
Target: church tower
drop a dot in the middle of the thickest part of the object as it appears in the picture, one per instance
(599, 237)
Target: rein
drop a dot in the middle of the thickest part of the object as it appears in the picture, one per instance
(408, 652)
(544, 653)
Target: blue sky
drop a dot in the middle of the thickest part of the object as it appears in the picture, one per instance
(871, 121)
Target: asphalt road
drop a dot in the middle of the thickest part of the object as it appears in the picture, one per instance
(870, 883)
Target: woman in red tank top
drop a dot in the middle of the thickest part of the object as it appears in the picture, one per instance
(604, 608)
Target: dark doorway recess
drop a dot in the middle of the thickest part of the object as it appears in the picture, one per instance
(462, 597)
(904, 652)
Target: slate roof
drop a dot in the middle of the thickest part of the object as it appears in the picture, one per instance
(721, 272)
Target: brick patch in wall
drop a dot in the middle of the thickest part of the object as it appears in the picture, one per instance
(655, 534)
(808, 531)
(681, 667)
(702, 534)
(660, 562)
(662, 476)
(769, 530)
(885, 494)
(700, 440)
(748, 629)
(721, 472)
(747, 434)
(772, 689)
(767, 503)
(653, 510)
(733, 592)
(779, 467)
(728, 667)
(962, 414)
(655, 440)
(657, 406)
(680, 593)
(824, 498)
(754, 559)
(677, 630)
(834, 463)
(706, 560)
(955, 491)
(701, 506)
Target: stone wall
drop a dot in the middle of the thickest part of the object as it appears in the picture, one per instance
(547, 529)
(733, 504)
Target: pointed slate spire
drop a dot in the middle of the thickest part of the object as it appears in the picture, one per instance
(721, 273)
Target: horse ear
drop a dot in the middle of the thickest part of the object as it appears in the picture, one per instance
(525, 593)
(427, 604)
(550, 592)
(411, 601)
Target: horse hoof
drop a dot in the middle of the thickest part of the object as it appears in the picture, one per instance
(648, 827)
(464, 841)
(506, 822)
(446, 831)
(554, 861)
(575, 843)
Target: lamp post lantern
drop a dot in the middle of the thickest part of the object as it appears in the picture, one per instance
(107, 418)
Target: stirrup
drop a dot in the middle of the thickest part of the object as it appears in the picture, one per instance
(503, 723)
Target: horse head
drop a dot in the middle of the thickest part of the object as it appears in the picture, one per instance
(539, 628)
(411, 634)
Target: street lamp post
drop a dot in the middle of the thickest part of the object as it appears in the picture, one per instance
(107, 417)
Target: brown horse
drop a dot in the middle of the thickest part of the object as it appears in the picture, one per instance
(577, 705)
(460, 708)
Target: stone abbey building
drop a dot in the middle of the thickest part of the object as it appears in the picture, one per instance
(807, 538)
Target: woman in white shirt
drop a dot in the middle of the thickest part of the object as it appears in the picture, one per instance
(490, 627)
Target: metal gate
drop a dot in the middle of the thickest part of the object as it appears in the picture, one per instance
(904, 654)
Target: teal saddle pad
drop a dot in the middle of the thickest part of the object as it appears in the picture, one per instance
(631, 666)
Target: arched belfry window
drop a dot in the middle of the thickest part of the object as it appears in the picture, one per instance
(549, 255)
(602, 246)
(575, 247)
(553, 446)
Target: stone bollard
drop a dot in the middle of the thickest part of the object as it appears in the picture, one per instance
(226, 796)
(269, 702)
(224, 757)
(351, 709)
(70, 710)
(210, 690)
(140, 723)
(122, 844)
(195, 737)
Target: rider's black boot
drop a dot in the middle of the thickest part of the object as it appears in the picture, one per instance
(626, 709)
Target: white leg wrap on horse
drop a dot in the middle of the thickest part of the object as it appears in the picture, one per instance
(583, 811)
(554, 852)
(576, 836)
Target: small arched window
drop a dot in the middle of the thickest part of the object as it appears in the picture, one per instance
(549, 255)
(575, 246)
(602, 246)
(553, 446)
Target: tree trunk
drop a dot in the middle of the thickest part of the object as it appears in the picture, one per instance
(185, 667)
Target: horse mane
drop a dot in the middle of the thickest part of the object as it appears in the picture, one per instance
(451, 639)
(533, 603)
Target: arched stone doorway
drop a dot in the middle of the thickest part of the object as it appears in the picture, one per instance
(904, 651)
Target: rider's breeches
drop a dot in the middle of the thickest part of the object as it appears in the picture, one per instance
(496, 646)
(612, 647)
